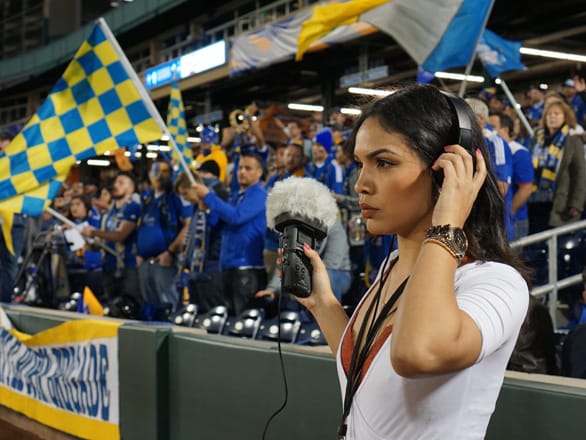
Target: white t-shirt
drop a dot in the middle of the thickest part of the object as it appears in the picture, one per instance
(451, 406)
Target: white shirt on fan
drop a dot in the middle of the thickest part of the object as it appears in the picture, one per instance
(451, 406)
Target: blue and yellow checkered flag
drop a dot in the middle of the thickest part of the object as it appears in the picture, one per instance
(33, 203)
(176, 121)
(96, 106)
(99, 104)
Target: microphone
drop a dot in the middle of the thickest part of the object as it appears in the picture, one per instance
(302, 210)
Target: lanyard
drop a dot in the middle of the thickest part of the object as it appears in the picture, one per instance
(359, 353)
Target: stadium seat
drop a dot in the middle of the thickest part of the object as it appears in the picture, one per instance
(311, 334)
(213, 321)
(574, 353)
(535, 256)
(123, 307)
(290, 324)
(570, 254)
(246, 325)
(185, 316)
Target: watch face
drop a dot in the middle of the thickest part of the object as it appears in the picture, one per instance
(460, 241)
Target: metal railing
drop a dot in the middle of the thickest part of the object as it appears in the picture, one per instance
(256, 18)
(553, 285)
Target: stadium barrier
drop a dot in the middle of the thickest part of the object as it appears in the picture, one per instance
(177, 383)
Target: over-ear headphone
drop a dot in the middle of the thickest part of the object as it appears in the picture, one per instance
(465, 137)
(464, 123)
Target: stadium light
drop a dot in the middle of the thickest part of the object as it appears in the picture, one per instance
(305, 107)
(460, 77)
(98, 162)
(350, 111)
(371, 92)
(553, 54)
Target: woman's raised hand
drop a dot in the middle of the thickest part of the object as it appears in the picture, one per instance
(460, 185)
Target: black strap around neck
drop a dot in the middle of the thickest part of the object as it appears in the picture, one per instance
(360, 351)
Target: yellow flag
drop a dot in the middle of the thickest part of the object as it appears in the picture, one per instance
(325, 19)
(7, 219)
(91, 303)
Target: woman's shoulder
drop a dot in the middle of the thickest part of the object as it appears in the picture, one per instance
(576, 140)
(486, 271)
(494, 285)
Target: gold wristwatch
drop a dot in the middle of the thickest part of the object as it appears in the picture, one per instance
(451, 238)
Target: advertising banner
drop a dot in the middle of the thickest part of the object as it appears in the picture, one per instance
(65, 377)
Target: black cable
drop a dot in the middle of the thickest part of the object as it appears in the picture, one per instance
(286, 398)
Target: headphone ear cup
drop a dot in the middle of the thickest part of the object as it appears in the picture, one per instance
(459, 108)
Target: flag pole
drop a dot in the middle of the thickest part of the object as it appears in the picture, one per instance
(521, 115)
(65, 220)
(473, 57)
(144, 95)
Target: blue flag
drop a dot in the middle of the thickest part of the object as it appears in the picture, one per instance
(456, 47)
(423, 76)
(499, 55)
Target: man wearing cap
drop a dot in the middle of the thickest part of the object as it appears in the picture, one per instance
(210, 150)
(576, 97)
(323, 167)
(209, 171)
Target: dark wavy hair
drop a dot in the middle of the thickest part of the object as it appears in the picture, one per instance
(426, 121)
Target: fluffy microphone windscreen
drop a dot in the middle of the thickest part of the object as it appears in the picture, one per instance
(304, 197)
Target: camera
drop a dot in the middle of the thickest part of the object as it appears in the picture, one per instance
(296, 267)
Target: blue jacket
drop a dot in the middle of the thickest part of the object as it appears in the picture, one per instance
(244, 225)
(330, 174)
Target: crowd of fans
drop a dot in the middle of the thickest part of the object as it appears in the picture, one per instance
(164, 242)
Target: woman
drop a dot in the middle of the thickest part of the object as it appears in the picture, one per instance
(436, 354)
(559, 189)
(83, 264)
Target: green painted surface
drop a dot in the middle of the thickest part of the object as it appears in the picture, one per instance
(186, 385)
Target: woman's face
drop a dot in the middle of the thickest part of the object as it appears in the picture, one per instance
(554, 118)
(78, 209)
(394, 185)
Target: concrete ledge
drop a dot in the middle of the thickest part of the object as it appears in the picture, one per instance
(14, 426)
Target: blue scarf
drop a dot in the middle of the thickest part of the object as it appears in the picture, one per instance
(546, 160)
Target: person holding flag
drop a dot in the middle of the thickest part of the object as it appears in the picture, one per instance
(162, 227)
(118, 228)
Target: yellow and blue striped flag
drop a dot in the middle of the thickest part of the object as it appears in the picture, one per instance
(176, 121)
(98, 105)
